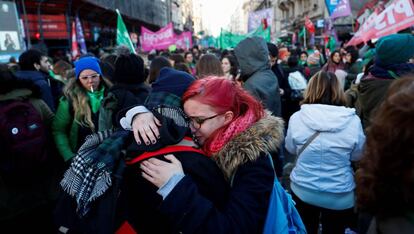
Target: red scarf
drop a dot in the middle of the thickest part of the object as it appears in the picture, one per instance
(224, 135)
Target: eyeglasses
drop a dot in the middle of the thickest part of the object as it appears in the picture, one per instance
(93, 76)
(196, 122)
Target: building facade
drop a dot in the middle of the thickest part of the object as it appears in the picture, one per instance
(238, 21)
(198, 28)
(290, 14)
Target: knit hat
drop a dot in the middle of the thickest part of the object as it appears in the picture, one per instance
(172, 81)
(84, 63)
(129, 69)
(394, 49)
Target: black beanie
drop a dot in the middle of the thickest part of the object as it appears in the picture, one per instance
(172, 81)
(129, 69)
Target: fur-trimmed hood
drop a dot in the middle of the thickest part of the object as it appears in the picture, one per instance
(266, 135)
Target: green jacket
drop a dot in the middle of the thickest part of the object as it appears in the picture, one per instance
(66, 130)
(372, 91)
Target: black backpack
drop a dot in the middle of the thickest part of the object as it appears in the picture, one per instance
(23, 138)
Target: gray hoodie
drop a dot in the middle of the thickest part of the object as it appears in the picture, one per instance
(253, 57)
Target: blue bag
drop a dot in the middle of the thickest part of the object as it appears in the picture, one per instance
(282, 216)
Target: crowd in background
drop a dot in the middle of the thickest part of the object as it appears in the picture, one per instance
(341, 120)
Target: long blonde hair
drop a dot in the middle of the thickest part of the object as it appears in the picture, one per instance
(75, 92)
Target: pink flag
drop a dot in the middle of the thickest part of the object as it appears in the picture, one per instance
(294, 38)
(75, 47)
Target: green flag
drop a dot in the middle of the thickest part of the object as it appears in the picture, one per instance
(230, 40)
(122, 35)
(302, 32)
(331, 45)
(172, 48)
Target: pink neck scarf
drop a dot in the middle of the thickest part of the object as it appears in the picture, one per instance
(224, 135)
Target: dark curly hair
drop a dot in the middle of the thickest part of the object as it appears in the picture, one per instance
(385, 179)
(28, 58)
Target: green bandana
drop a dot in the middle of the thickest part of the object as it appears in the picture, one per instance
(95, 99)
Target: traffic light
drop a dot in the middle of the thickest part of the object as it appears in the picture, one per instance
(37, 35)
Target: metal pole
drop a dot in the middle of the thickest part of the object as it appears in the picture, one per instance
(40, 21)
(26, 27)
(68, 24)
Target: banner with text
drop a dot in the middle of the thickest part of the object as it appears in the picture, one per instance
(184, 41)
(338, 8)
(159, 40)
(397, 16)
(342, 9)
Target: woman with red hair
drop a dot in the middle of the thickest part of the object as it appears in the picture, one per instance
(233, 128)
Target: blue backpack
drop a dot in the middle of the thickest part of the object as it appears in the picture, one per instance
(282, 216)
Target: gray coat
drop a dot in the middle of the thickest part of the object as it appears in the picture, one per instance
(253, 57)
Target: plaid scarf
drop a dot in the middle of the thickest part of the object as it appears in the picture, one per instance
(89, 175)
(164, 98)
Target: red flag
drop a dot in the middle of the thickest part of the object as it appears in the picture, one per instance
(75, 48)
(264, 22)
(309, 25)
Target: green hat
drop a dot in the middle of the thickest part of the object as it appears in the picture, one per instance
(394, 49)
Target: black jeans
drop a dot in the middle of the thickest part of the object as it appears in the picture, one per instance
(333, 221)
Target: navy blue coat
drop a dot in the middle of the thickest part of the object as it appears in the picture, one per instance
(245, 163)
(245, 211)
(40, 80)
(141, 197)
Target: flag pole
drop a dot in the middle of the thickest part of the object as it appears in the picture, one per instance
(304, 38)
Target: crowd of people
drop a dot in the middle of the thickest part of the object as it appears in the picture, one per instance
(192, 141)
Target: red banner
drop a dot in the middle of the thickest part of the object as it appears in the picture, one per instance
(397, 16)
(54, 26)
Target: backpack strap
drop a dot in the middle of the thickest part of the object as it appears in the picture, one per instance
(308, 142)
(185, 145)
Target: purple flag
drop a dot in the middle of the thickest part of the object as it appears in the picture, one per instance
(342, 9)
(80, 37)
(312, 39)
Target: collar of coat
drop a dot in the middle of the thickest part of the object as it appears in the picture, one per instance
(265, 135)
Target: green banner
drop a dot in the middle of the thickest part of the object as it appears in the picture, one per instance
(122, 35)
(228, 40)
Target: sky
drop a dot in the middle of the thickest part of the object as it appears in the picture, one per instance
(216, 13)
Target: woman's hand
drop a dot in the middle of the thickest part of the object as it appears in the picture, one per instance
(145, 125)
(158, 172)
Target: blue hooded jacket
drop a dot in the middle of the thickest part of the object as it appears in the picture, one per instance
(40, 81)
